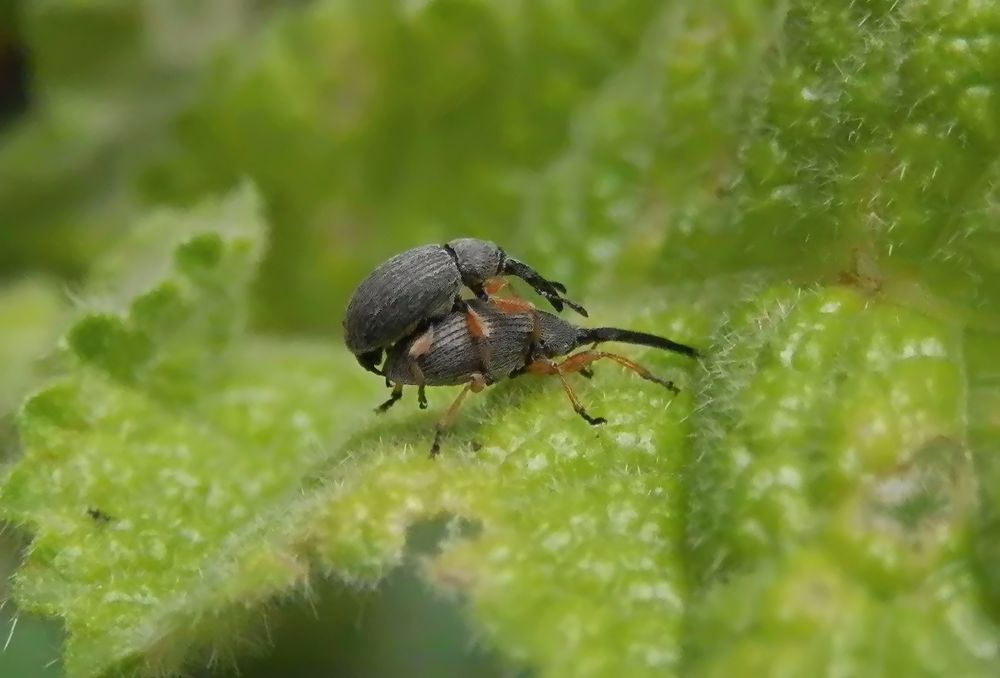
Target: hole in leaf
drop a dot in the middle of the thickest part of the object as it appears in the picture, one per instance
(402, 628)
(425, 537)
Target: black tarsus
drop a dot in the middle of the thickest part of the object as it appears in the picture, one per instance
(575, 306)
(593, 421)
(549, 290)
(597, 335)
(397, 393)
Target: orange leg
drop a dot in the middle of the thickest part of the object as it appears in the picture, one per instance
(474, 321)
(513, 305)
(480, 334)
(580, 361)
(493, 286)
(477, 384)
(546, 366)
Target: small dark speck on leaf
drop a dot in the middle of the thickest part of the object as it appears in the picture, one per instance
(98, 515)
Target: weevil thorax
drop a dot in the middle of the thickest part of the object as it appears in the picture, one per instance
(556, 337)
(477, 260)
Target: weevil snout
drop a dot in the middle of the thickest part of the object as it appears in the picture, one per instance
(370, 361)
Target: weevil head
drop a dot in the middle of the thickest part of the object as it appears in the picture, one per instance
(477, 260)
(557, 337)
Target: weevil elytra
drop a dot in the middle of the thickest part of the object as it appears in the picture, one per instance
(446, 354)
(422, 284)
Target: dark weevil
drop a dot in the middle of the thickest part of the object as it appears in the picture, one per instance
(446, 354)
(422, 284)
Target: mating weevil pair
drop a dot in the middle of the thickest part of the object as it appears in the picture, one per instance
(411, 309)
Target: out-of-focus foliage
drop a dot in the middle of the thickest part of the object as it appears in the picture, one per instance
(29, 313)
(362, 122)
(107, 78)
(807, 190)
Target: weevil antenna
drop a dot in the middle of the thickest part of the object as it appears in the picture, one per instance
(597, 335)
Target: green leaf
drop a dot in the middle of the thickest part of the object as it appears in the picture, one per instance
(200, 471)
(31, 313)
(873, 139)
(106, 78)
(833, 493)
(652, 153)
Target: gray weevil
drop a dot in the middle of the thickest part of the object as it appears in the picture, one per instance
(422, 284)
(445, 354)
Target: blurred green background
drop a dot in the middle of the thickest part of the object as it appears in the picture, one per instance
(367, 126)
